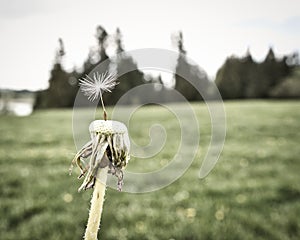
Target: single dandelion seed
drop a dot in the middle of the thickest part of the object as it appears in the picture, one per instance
(94, 87)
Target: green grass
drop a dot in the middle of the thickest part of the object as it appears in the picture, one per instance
(252, 193)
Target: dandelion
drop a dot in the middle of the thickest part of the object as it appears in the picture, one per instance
(108, 151)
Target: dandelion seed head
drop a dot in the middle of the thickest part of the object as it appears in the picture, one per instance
(94, 87)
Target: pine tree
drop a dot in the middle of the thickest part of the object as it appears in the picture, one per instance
(60, 92)
(195, 75)
(127, 80)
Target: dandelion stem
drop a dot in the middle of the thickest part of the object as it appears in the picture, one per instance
(103, 107)
(97, 201)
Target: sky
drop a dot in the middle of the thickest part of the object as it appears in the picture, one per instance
(212, 31)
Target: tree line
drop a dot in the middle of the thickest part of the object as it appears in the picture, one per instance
(237, 78)
(274, 77)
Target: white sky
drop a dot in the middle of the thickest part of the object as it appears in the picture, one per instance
(212, 31)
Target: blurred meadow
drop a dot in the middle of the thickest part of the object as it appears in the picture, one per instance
(252, 193)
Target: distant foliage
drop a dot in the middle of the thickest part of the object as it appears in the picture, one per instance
(238, 77)
(245, 78)
(289, 87)
(63, 85)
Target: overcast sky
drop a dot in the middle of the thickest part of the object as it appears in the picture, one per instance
(212, 30)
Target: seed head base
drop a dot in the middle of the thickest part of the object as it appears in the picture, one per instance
(108, 138)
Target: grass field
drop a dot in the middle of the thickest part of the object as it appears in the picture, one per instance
(252, 193)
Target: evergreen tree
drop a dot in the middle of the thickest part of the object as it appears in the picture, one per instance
(60, 92)
(118, 39)
(122, 63)
(98, 54)
(228, 80)
(274, 70)
(248, 76)
(194, 74)
(96, 61)
(101, 36)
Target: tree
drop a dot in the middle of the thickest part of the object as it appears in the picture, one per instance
(127, 80)
(60, 92)
(195, 75)
(274, 70)
(228, 79)
(289, 87)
